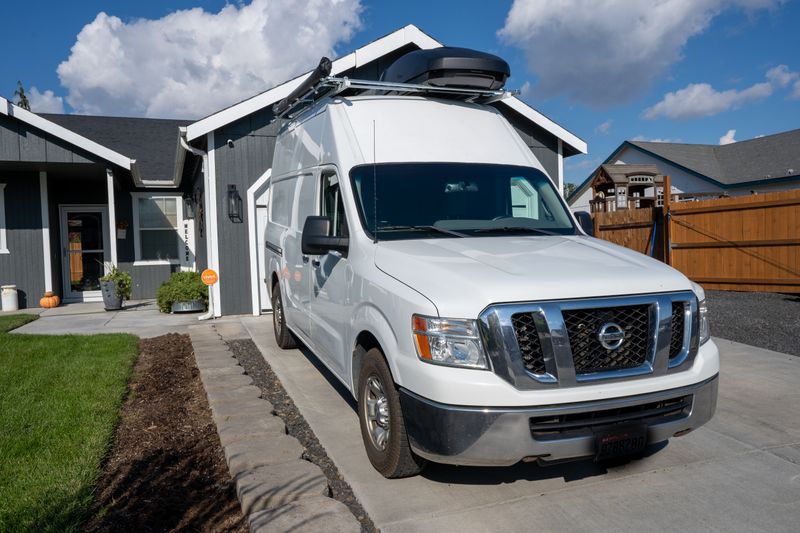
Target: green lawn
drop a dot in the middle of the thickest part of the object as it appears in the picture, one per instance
(59, 402)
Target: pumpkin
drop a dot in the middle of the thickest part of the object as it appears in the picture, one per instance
(49, 300)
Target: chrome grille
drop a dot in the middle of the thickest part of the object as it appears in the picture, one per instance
(530, 346)
(678, 323)
(590, 356)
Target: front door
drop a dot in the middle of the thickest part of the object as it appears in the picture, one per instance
(84, 251)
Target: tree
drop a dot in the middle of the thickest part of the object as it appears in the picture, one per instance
(22, 98)
(569, 188)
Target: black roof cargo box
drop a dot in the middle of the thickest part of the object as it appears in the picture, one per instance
(449, 67)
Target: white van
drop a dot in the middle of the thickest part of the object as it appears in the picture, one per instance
(420, 251)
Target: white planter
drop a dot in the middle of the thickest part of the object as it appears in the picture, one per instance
(9, 298)
(122, 233)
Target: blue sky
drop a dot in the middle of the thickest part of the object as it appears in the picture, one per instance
(678, 70)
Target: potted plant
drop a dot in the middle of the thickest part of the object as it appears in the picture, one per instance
(182, 292)
(116, 287)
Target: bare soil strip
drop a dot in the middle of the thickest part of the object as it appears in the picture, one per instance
(166, 470)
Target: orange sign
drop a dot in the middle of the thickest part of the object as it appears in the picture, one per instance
(209, 276)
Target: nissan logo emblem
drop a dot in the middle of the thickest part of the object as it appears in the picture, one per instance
(611, 336)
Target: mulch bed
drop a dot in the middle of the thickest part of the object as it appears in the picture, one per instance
(166, 470)
(263, 377)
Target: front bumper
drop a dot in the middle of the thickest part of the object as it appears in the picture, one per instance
(503, 436)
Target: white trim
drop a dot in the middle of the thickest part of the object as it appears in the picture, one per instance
(7, 108)
(48, 267)
(255, 247)
(137, 243)
(152, 262)
(534, 116)
(3, 235)
(408, 35)
(212, 236)
(112, 215)
(561, 167)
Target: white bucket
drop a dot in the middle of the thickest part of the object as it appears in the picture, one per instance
(9, 298)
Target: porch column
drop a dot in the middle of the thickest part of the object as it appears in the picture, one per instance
(43, 200)
(112, 216)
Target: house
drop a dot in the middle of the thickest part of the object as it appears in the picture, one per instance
(79, 193)
(632, 176)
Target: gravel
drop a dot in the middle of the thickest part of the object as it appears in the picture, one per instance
(264, 378)
(764, 319)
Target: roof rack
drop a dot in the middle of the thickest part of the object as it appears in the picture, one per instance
(308, 93)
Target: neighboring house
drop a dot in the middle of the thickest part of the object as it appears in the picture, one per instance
(189, 195)
(764, 164)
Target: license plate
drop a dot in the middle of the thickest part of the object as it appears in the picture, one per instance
(619, 442)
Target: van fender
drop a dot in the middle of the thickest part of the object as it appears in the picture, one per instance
(368, 317)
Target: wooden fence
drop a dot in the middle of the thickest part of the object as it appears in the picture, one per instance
(746, 243)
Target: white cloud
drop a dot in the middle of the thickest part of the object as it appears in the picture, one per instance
(190, 63)
(728, 138)
(702, 100)
(46, 102)
(603, 52)
(795, 95)
(781, 76)
(656, 140)
(604, 128)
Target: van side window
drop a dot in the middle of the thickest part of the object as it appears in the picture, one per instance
(332, 205)
(281, 201)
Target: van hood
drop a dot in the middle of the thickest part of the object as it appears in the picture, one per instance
(461, 276)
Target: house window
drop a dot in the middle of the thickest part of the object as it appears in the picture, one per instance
(3, 241)
(157, 220)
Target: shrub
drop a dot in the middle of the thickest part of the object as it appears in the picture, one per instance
(181, 287)
(122, 280)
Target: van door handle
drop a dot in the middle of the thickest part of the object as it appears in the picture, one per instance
(305, 259)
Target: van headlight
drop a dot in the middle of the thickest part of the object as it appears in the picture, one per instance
(448, 341)
(704, 331)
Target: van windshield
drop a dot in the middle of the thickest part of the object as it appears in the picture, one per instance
(456, 200)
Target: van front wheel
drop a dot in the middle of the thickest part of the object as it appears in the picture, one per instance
(381, 418)
(283, 336)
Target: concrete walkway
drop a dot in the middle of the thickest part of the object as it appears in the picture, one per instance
(741, 472)
(140, 318)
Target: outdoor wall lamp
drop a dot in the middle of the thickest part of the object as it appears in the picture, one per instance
(188, 207)
(234, 204)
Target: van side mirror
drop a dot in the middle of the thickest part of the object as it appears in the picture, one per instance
(316, 240)
(586, 222)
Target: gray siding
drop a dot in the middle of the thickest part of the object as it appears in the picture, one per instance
(240, 165)
(24, 266)
(21, 142)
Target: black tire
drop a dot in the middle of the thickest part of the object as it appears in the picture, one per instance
(283, 336)
(395, 459)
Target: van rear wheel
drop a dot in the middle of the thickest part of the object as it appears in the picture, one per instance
(381, 419)
(283, 336)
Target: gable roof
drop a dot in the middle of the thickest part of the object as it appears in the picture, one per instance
(740, 164)
(48, 126)
(394, 41)
(768, 157)
(149, 142)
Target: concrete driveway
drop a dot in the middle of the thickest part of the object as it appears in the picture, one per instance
(739, 473)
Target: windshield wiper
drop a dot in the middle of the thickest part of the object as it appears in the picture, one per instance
(422, 228)
(515, 229)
